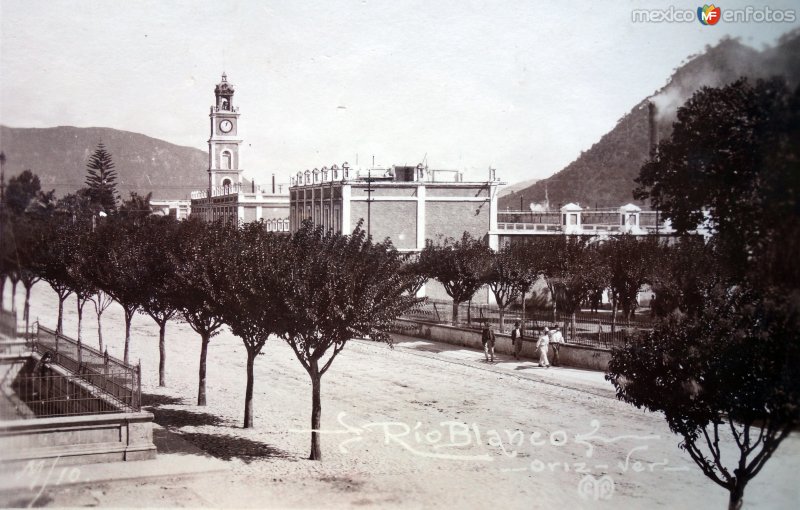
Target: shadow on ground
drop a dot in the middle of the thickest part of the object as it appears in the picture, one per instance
(151, 400)
(227, 447)
(178, 418)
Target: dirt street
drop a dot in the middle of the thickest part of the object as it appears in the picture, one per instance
(420, 425)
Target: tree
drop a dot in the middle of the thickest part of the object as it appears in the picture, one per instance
(629, 260)
(732, 163)
(56, 252)
(29, 239)
(136, 208)
(101, 179)
(727, 373)
(506, 278)
(117, 268)
(415, 273)
(571, 268)
(337, 287)
(245, 281)
(532, 255)
(78, 273)
(195, 260)
(76, 206)
(158, 235)
(460, 266)
(22, 190)
(101, 301)
(684, 274)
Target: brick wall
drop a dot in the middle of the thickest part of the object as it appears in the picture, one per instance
(395, 220)
(452, 219)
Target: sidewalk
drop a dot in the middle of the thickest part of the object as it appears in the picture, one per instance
(588, 381)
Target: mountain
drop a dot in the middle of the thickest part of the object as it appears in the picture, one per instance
(603, 175)
(59, 155)
(512, 188)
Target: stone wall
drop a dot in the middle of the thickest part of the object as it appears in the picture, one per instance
(571, 355)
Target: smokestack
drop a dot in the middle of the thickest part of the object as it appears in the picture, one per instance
(273, 184)
(653, 131)
(252, 186)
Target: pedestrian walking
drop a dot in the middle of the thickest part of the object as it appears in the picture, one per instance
(542, 344)
(556, 341)
(516, 339)
(487, 337)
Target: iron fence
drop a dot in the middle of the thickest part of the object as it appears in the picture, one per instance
(589, 329)
(108, 374)
(52, 394)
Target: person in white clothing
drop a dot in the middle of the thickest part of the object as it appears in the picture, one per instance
(542, 344)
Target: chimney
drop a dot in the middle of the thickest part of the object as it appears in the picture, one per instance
(253, 186)
(273, 184)
(652, 129)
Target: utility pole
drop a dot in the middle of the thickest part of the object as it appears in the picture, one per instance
(369, 195)
(2, 180)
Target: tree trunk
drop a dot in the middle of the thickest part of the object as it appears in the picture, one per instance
(80, 315)
(2, 291)
(14, 297)
(455, 312)
(736, 496)
(26, 311)
(555, 305)
(613, 315)
(201, 387)
(100, 330)
(162, 354)
(128, 319)
(60, 320)
(522, 329)
(316, 410)
(248, 392)
(502, 313)
(572, 327)
(469, 312)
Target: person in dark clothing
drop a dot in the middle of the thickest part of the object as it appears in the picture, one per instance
(516, 339)
(487, 337)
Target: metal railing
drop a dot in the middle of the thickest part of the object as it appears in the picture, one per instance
(108, 374)
(52, 394)
(589, 329)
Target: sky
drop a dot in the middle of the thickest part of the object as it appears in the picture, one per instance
(522, 87)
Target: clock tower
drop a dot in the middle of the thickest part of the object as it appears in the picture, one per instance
(224, 143)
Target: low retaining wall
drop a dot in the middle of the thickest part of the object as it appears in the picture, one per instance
(571, 355)
(78, 439)
(81, 439)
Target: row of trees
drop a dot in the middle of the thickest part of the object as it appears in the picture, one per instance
(313, 290)
(576, 271)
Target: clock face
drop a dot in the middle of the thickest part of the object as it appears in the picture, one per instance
(225, 126)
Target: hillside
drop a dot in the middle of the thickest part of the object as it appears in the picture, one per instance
(58, 156)
(512, 188)
(603, 175)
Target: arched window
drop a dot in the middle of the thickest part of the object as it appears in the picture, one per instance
(226, 160)
(226, 186)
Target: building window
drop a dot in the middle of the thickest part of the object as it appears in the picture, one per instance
(336, 220)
